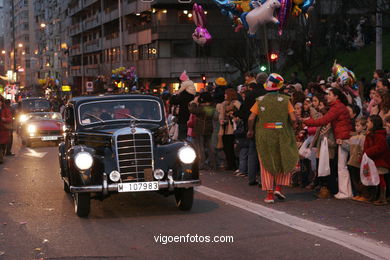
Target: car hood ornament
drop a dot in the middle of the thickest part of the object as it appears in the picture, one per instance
(132, 126)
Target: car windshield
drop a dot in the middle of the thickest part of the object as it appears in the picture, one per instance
(36, 105)
(114, 110)
(44, 116)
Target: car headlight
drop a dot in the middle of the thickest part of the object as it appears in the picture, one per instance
(83, 160)
(187, 154)
(31, 129)
(23, 118)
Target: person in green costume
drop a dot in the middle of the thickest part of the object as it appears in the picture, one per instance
(275, 140)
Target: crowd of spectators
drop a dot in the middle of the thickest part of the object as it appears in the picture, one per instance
(354, 120)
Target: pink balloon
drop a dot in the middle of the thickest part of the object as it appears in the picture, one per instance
(201, 36)
(262, 15)
(283, 14)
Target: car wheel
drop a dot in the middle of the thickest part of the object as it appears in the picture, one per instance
(184, 198)
(81, 204)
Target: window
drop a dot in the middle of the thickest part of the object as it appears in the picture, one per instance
(183, 49)
(164, 49)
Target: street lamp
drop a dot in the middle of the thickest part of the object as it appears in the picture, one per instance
(43, 25)
(20, 45)
(3, 52)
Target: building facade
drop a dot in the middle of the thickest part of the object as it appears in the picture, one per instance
(34, 48)
(155, 38)
(2, 50)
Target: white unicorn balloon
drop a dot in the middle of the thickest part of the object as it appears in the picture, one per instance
(262, 15)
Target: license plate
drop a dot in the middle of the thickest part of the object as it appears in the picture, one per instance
(49, 138)
(138, 186)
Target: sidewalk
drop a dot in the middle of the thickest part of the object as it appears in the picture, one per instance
(364, 220)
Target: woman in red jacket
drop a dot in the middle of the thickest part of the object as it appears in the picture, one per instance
(338, 117)
(5, 120)
(376, 148)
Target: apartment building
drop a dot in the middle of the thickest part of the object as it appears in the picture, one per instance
(155, 38)
(2, 50)
(51, 30)
(20, 40)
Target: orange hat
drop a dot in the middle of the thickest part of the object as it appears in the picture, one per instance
(221, 81)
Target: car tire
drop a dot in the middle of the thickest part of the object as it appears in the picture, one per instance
(81, 204)
(184, 198)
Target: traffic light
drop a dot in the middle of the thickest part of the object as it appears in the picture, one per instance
(263, 68)
(273, 56)
(203, 76)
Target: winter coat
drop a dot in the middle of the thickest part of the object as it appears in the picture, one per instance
(5, 121)
(204, 118)
(355, 146)
(182, 99)
(338, 116)
(245, 110)
(376, 148)
(226, 114)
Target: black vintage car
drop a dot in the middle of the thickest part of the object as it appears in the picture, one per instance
(120, 143)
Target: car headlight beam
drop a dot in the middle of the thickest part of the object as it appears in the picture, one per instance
(23, 118)
(31, 129)
(187, 154)
(83, 160)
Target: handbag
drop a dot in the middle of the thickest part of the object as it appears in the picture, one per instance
(323, 164)
(368, 172)
(305, 150)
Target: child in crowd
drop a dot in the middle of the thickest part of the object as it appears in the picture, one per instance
(354, 112)
(377, 150)
(355, 147)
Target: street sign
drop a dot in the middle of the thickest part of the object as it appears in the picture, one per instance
(89, 87)
(66, 88)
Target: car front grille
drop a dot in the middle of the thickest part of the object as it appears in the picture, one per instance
(48, 132)
(134, 155)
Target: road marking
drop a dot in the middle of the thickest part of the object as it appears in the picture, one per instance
(364, 246)
(33, 153)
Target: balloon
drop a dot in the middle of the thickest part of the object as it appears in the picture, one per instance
(343, 75)
(262, 15)
(306, 5)
(201, 36)
(283, 14)
(301, 6)
(243, 5)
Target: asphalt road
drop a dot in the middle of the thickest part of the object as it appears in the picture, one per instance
(37, 221)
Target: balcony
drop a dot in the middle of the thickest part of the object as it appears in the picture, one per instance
(75, 9)
(111, 41)
(75, 71)
(87, 3)
(92, 46)
(108, 16)
(75, 50)
(75, 29)
(92, 70)
(92, 22)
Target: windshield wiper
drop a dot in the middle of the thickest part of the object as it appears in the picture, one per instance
(128, 115)
(96, 117)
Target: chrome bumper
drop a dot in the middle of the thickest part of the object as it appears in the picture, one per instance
(59, 137)
(114, 186)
